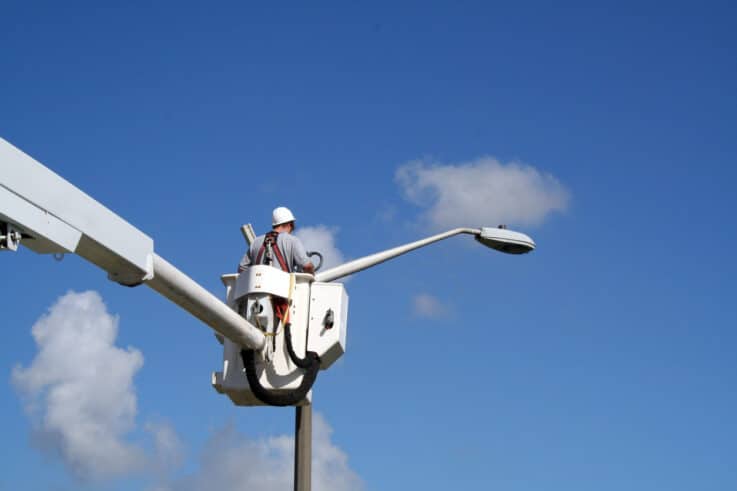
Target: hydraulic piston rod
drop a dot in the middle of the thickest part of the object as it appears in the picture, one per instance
(188, 294)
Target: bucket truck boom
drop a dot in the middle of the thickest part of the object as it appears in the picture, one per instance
(49, 215)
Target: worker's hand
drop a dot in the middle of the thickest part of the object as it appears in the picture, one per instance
(309, 268)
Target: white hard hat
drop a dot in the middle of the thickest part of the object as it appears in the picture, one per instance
(281, 215)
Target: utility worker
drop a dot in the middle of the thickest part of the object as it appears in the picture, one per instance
(279, 248)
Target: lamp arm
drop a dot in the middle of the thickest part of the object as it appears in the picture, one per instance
(372, 260)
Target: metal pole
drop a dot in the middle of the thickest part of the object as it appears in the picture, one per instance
(303, 448)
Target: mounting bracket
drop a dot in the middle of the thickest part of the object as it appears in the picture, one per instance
(10, 237)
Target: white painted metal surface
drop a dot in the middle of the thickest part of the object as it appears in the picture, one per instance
(61, 218)
(188, 294)
(500, 239)
(250, 294)
(262, 279)
(505, 240)
(328, 322)
(274, 368)
(51, 235)
(360, 264)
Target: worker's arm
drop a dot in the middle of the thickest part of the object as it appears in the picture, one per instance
(301, 258)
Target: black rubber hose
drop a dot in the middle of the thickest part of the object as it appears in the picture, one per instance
(304, 363)
(279, 398)
(315, 253)
(310, 364)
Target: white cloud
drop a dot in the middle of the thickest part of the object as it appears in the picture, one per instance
(231, 462)
(322, 239)
(167, 446)
(425, 305)
(80, 393)
(482, 192)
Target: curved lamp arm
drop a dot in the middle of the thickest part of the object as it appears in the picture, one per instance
(500, 239)
(367, 261)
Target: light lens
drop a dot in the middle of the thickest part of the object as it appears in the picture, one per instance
(505, 240)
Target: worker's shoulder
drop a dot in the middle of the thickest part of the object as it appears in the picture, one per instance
(290, 239)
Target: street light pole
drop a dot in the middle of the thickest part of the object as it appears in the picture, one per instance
(303, 448)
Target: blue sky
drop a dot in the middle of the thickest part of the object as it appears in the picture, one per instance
(604, 360)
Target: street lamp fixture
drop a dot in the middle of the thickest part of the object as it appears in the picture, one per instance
(504, 240)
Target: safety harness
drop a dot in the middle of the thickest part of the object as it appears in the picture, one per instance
(269, 249)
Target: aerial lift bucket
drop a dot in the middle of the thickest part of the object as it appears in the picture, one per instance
(317, 314)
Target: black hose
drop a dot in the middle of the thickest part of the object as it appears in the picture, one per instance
(304, 363)
(315, 253)
(310, 364)
(274, 397)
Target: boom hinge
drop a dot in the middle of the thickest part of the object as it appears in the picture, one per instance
(10, 237)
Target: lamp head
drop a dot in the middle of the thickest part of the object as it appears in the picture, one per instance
(504, 240)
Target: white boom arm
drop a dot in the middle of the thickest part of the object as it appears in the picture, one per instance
(53, 216)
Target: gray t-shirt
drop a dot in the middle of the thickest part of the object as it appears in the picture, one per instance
(290, 246)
